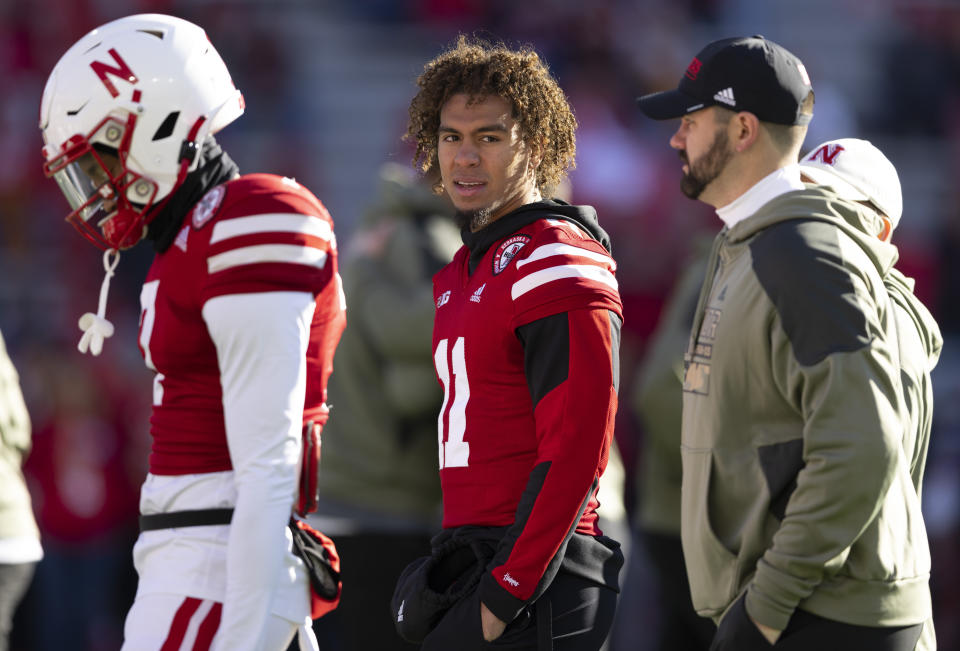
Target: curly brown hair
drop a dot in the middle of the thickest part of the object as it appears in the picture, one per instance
(481, 69)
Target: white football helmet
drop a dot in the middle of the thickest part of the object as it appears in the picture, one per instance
(123, 116)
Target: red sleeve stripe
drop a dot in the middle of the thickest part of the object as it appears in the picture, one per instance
(271, 223)
(551, 274)
(293, 253)
(557, 248)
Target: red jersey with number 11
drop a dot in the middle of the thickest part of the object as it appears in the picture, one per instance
(491, 434)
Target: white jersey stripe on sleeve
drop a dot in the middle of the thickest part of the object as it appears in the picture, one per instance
(294, 253)
(558, 248)
(560, 272)
(570, 227)
(271, 223)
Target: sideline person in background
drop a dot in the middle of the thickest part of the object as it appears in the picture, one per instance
(20, 548)
(856, 170)
(657, 403)
(379, 490)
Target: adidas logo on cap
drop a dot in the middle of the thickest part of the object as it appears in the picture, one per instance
(726, 96)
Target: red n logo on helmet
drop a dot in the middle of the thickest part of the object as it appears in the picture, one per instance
(122, 71)
(827, 154)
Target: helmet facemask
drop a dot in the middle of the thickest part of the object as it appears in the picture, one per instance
(110, 204)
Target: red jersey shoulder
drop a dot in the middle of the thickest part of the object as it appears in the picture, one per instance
(259, 194)
(547, 231)
(269, 233)
(561, 268)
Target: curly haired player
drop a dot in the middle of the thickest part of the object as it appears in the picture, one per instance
(525, 341)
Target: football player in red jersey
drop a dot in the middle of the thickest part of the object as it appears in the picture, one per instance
(526, 339)
(241, 312)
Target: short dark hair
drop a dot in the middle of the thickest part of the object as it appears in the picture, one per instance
(788, 136)
(480, 69)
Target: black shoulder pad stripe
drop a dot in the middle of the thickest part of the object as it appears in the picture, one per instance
(800, 266)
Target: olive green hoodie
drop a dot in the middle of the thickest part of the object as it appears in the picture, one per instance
(799, 461)
(920, 344)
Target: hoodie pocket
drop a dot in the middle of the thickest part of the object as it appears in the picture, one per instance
(712, 568)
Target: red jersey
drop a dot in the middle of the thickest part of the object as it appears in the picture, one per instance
(506, 413)
(256, 233)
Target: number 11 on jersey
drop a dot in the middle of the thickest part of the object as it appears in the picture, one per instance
(453, 450)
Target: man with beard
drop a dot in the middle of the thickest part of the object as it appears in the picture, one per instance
(800, 523)
(525, 345)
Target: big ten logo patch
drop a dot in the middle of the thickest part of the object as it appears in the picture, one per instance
(443, 299)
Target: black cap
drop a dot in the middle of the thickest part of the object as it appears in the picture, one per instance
(741, 74)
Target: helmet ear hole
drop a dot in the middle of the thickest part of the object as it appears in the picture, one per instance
(166, 127)
(152, 32)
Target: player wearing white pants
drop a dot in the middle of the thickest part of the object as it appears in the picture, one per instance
(241, 312)
(190, 624)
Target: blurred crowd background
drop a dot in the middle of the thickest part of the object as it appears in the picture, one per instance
(327, 84)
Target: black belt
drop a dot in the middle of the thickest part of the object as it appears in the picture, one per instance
(195, 518)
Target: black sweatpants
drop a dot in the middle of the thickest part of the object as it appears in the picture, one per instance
(14, 581)
(807, 631)
(581, 614)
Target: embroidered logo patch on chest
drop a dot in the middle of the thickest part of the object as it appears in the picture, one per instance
(207, 207)
(507, 250)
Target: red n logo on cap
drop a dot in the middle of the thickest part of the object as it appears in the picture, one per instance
(826, 154)
(122, 71)
(693, 69)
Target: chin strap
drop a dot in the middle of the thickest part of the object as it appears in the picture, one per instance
(95, 327)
